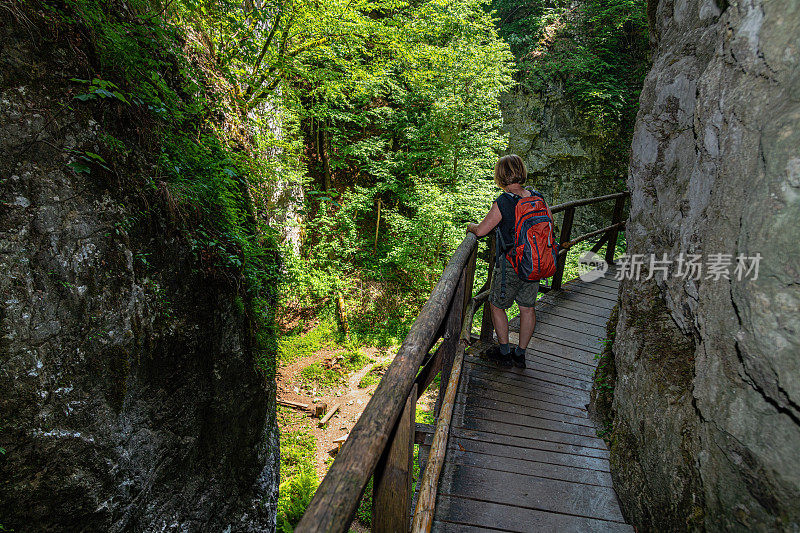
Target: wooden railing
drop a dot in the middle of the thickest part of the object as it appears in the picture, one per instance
(381, 444)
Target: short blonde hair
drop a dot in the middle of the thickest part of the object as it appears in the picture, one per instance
(510, 169)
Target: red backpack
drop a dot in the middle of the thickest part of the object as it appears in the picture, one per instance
(535, 249)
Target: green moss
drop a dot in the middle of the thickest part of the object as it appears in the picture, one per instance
(333, 372)
(668, 351)
(373, 376)
(605, 377)
(293, 347)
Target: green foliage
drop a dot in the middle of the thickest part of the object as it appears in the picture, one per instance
(98, 88)
(297, 346)
(298, 447)
(298, 469)
(424, 417)
(374, 376)
(148, 95)
(597, 50)
(330, 373)
(364, 509)
(403, 111)
(294, 496)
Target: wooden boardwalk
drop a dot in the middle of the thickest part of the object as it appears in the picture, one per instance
(522, 453)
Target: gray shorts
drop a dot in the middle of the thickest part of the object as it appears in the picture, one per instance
(517, 290)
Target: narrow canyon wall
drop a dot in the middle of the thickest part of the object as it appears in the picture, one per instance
(564, 157)
(130, 396)
(707, 399)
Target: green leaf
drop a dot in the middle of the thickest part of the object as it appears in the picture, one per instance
(79, 166)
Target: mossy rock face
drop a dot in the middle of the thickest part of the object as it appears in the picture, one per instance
(125, 406)
(605, 377)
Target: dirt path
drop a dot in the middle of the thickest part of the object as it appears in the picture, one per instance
(351, 398)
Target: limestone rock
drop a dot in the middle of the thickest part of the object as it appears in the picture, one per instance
(707, 397)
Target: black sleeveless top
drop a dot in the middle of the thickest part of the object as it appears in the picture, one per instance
(507, 203)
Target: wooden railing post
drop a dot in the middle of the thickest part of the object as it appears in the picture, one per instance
(566, 230)
(619, 205)
(391, 486)
(487, 327)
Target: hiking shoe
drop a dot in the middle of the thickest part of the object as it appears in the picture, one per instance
(494, 354)
(518, 359)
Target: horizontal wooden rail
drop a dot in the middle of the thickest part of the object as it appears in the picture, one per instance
(609, 233)
(565, 246)
(587, 201)
(335, 501)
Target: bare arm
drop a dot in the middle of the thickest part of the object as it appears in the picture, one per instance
(492, 219)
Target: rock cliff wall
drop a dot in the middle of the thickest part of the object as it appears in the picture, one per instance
(130, 395)
(564, 157)
(707, 398)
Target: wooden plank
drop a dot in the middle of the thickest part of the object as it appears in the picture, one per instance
(546, 470)
(543, 400)
(606, 290)
(423, 432)
(586, 309)
(607, 281)
(430, 370)
(549, 312)
(471, 411)
(587, 445)
(533, 493)
(478, 515)
(487, 327)
(500, 435)
(574, 354)
(527, 410)
(335, 501)
(534, 388)
(569, 336)
(328, 416)
(450, 344)
(554, 366)
(556, 363)
(534, 377)
(589, 290)
(580, 329)
(391, 492)
(459, 527)
(578, 357)
(590, 347)
(540, 364)
(296, 405)
(567, 318)
(566, 229)
(579, 297)
(521, 449)
(536, 369)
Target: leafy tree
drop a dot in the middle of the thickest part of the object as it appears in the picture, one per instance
(596, 50)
